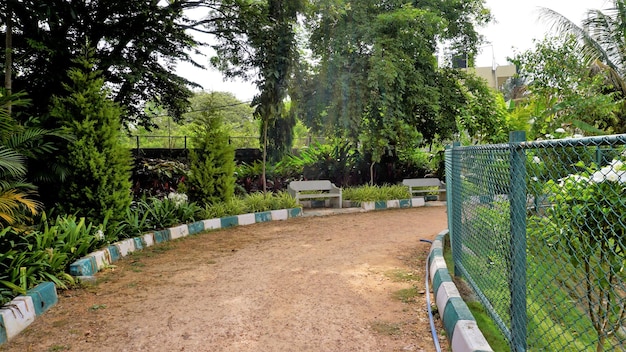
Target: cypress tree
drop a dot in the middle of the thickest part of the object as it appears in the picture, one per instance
(212, 162)
(99, 168)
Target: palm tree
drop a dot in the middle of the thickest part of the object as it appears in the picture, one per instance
(16, 204)
(601, 41)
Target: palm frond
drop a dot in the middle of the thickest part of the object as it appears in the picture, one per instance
(11, 162)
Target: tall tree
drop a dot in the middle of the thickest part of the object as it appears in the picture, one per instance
(261, 38)
(377, 81)
(601, 43)
(98, 183)
(138, 44)
(561, 83)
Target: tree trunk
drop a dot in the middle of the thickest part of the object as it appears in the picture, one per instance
(8, 63)
(265, 124)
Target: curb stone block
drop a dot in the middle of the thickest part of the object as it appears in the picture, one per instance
(178, 232)
(246, 219)
(394, 203)
(368, 205)
(195, 227)
(148, 239)
(138, 241)
(264, 216)
(295, 212)
(282, 214)
(162, 236)
(84, 267)
(437, 264)
(3, 332)
(114, 254)
(17, 315)
(455, 310)
(101, 258)
(440, 276)
(380, 204)
(44, 296)
(404, 203)
(467, 337)
(418, 202)
(229, 221)
(446, 291)
(126, 246)
(212, 224)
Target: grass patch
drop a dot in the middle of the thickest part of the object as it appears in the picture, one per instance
(400, 275)
(386, 328)
(496, 339)
(406, 295)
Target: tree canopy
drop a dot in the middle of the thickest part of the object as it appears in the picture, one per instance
(137, 46)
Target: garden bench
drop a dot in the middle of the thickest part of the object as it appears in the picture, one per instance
(423, 186)
(322, 188)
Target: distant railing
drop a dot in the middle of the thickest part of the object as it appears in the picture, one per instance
(183, 142)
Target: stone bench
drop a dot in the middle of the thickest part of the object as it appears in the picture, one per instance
(314, 189)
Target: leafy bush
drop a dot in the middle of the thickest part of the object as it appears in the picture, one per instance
(375, 193)
(43, 254)
(256, 202)
(585, 225)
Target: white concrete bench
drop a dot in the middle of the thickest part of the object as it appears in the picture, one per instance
(423, 186)
(322, 189)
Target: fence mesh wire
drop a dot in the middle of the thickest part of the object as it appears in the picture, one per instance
(538, 231)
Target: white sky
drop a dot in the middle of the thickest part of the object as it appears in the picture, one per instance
(516, 25)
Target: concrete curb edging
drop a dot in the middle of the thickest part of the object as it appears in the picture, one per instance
(458, 321)
(85, 268)
(396, 203)
(18, 314)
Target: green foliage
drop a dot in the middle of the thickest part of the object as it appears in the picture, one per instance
(335, 162)
(136, 51)
(16, 142)
(377, 81)
(601, 46)
(156, 214)
(98, 181)
(584, 225)
(563, 91)
(374, 193)
(256, 202)
(43, 254)
(212, 170)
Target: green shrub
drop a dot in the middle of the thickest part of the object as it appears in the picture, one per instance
(99, 168)
(212, 171)
(375, 193)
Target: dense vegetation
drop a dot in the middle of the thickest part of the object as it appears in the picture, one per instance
(363, 78)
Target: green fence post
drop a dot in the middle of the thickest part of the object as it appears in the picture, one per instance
(456, 242)
(448, 180)
(518, 243)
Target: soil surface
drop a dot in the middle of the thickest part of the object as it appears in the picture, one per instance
(347, 282)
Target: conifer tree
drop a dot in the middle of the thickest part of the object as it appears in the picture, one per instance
(212, 162)
(99, 167)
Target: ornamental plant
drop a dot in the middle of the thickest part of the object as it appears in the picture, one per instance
(587, 223)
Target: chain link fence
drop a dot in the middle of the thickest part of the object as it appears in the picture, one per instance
(538, 230)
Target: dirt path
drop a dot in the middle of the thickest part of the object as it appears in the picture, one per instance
(350, 282)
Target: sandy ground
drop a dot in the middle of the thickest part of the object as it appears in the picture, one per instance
(349, 282)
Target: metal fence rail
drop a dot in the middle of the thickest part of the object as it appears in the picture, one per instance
(538, 230)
